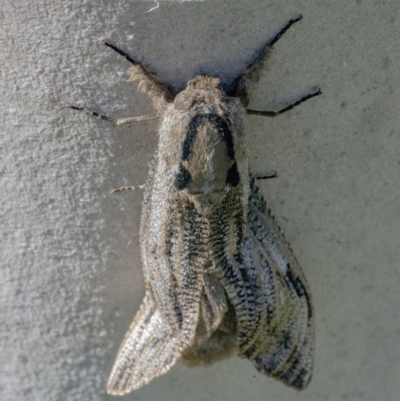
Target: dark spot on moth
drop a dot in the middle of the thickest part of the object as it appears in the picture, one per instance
(245, 276)
(275, 359)
(299, 288)
(238, 257)
(182, 179)
(287, 376)
(296, 283)
(299, 382)
(232, 177)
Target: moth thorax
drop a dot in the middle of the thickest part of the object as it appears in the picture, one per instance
(208, 164)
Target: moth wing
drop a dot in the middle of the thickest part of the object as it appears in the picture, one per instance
(165, 325)
(213, 308)
(149, 349)
(276, 331)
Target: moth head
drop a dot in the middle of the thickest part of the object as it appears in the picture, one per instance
(202, 94)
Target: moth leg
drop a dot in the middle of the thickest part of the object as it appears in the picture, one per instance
(130, 188)
(290, 107)
(148, 81)
(116, 121)
(267, 176)
(250, 74)
(129, 120)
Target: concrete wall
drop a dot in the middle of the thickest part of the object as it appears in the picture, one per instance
(70, 275)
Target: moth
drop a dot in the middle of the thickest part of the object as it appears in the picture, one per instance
(219, 274)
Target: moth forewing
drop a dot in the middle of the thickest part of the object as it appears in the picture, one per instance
(285, 347)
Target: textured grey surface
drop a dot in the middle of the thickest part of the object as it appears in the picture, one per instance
(71, 274)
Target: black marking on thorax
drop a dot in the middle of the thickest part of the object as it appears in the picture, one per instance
(214, 120)
(183, 177)
(232, 177)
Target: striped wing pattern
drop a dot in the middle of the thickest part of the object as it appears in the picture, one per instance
(273, 305)
(165, 325)
(147, 351)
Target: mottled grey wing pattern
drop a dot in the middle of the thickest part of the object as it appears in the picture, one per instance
(283, 346)
(275, 324)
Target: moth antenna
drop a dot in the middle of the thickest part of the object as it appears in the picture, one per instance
(270, 174)
(290, 107)
(242, 84)
(148, 82)
(120, 52)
